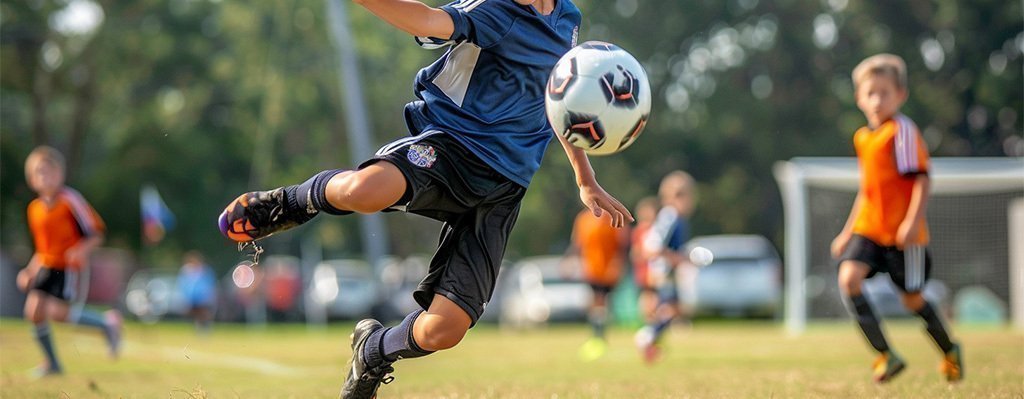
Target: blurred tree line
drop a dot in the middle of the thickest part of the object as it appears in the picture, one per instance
(208, 99)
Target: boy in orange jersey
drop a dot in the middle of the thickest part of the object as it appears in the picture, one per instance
(601, 248)
(65, 230)
(886, 231)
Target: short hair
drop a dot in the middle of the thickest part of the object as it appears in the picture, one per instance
(43, 153)
(881, 65)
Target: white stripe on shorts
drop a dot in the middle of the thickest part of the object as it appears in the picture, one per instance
(395, 145)
(913, 267)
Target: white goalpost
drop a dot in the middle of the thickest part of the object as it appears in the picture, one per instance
(975, 214)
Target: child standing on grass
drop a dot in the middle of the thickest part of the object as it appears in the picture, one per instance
(601, 250)
(886, 231)
(65, 230)
(478, 134)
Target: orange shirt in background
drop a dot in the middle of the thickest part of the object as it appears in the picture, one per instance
(602, 247)
(60, 225)
(890, 158)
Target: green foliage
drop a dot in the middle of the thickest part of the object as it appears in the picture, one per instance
(206, 100)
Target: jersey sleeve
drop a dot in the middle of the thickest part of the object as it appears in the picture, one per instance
(481, 22)
(88, 220)
(911, 149)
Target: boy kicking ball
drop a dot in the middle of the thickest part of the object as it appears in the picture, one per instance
(479, 132)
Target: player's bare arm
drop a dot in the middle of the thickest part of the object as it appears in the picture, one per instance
(915, 212)
(412, 17)
(592, 194)
(839, 243)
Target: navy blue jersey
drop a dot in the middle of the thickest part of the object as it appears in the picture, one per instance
(487, 90)
(668, 231)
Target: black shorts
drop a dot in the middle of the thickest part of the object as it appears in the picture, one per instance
(908, 268)
(478, 206)
(602, 289)
(59, 284)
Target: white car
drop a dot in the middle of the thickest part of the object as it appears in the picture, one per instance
(743, 278)
(542, 289)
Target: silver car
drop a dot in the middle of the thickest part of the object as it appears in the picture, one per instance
(739, 275)
(542, 289)
(346, 288)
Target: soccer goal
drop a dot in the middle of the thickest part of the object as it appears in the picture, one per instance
(976, 218)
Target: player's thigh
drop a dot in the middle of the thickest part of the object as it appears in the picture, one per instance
(36, 305)
(369, 189)
(852, 274)
(57, 309)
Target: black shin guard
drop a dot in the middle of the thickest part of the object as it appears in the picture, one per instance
(868, 322)
(311, 195)
(936, 328)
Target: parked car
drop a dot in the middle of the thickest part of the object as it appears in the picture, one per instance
(347, 288)
(152, 295)
(542, 289)
(743, 276)
(399, 279)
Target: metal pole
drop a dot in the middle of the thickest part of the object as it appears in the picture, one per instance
(375, 238)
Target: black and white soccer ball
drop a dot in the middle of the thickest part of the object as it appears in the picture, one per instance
(598, 98)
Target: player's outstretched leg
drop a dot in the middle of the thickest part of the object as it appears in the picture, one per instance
(259, 214)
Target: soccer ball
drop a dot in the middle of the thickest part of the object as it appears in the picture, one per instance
(598, 98)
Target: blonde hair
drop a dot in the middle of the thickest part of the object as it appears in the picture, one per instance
(43, 153)
(881, 65)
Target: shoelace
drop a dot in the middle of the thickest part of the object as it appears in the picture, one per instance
(380, 374)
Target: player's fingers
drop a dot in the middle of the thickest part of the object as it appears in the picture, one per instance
(595, 208)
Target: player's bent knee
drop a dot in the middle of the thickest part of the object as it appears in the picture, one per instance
(913, 301)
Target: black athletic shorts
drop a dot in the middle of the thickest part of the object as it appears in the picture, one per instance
(59, 284)
(477, 204)
(602, 289)
(908, 268)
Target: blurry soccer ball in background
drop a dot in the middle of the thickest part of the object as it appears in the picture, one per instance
(598, 98)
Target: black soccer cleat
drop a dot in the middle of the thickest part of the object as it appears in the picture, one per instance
(259, 214)
(362, 380)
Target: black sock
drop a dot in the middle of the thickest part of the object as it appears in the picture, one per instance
(393, 343)
(598, 317)
(936, 328)
(868, 323)
(311, 195)
(43, 336)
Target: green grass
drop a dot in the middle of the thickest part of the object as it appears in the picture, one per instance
(712, 360)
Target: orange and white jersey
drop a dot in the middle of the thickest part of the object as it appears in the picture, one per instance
(890, 158)
(60, 225)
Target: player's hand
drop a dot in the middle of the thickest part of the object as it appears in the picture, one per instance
(599, 201)
(77, 255)
(839, 245)
(25, 277)
(906, 234)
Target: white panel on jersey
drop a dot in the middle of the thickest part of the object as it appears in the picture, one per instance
(454, 77)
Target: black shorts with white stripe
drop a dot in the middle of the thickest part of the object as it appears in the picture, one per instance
(909, 268)
(478, 206)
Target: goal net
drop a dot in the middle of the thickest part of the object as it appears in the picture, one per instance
(974, 215)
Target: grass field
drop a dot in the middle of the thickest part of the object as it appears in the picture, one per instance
(712, 360)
